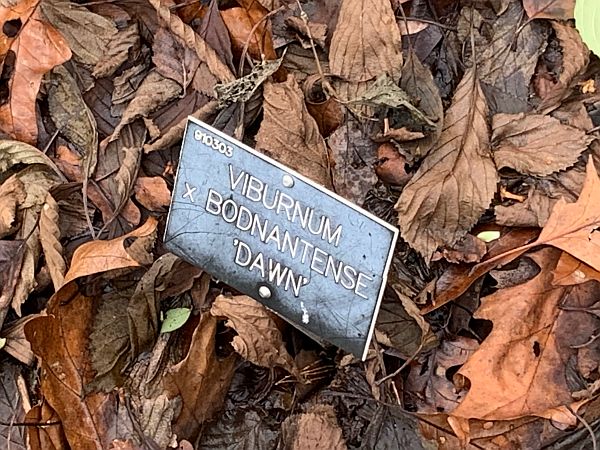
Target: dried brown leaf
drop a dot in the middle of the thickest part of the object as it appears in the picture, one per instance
(152, 192)
(366, 41)
(519, 369)
(70, 113)
(173, 59)
(550, 9)
(533, 212)
(12, 194)
(202, 380)
(11, 259)
(126, 175)
(87, 33)
(521, 142)
(258, 339)
(241, 22)
(218, 68)
(50, 240)
(418, 83)
(213, 30)
(116, 51)
(313, 430)
(289, 134)
(39, 47)
(570, 271)
(154, 92)
(102, 256)
(457, 180)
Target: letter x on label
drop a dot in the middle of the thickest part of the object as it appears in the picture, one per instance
(189, 192)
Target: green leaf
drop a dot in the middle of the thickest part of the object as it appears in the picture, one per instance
(587, 21)
(488, 236)
(175, 318)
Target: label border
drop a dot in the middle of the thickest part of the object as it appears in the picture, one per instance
(394, 230)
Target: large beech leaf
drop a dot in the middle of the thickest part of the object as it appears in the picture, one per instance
(366, 41)
(520, 368)
(457, 179)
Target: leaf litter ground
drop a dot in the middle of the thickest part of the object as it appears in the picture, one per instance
(452, 120)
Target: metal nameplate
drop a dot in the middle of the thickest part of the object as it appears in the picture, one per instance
(314, 258)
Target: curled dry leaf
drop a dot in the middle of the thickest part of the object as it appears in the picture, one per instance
(519, 369)
(12, 194)
(366, 41)
(202, 380)
(313, 430)
(289, 134)
(258, 340)
(117, 51)
(152, 192)
(522, 142)
(11, 260)
(325, 109)
(457, 180)
(102, 256)
(50, 240)
(39, 47)
(550, 9)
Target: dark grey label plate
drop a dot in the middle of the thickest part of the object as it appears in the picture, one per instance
(311, 256)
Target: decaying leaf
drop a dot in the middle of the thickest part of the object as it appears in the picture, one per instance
(11, 259)
(86, 33)
(39, 47)
(570, 271)
(258, 339)
(12, 193)
(116, 51)
(457, 179)
(522, 142)
(289, 134)
(315, 429)
(50, 240)
(152, 192)
(550, 9)
(201, 379)
(519, 369)
(102, 256)
(366, 42)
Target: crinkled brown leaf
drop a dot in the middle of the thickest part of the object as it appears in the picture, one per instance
(366, 41)
(202, 379)
(522, 142)
(550, 9)
(152, 192)
(258, 339)
(11, 259)
(87, 33)
(570, 271)
(313, 430)
(154, 92)
(519, 369)
(11, 406)
(457, 180)
(249, 19)
(116, 51)
(50, 240)
(173, 59)
(102, 256)
(12, 193)
(289, 134)
(38, 48)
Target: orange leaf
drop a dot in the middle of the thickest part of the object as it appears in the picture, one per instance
(241, 21)
(38, 48)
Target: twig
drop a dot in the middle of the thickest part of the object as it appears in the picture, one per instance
(402, 367)
(587, 427)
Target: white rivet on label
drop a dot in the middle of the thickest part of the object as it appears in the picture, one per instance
(264, 292)
(288, 181)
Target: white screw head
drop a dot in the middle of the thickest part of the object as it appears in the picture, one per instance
(264, 292)
(288, 181)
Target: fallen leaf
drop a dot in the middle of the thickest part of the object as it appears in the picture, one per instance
(570, 271)
(533, 212)
(201, 379)
(60, 340)
(325, 109)
(45, 438)
(456, 181)
(213, 30)
(313, 430)
(418, 83)
(173, 59)
(152, 192)
(86, 33)
(11, 406)
(17, 344)
(428, 384)
(40, 47)
(102, 256)
(258, 339)
(521, 142)
(391, 166)
(116, 51)
(468, 250)
(241, 22)
(366, 41)
(519, 369)
(289, 134)
(154, 92)
(50, 240)
(550, 9)
(12, 193)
